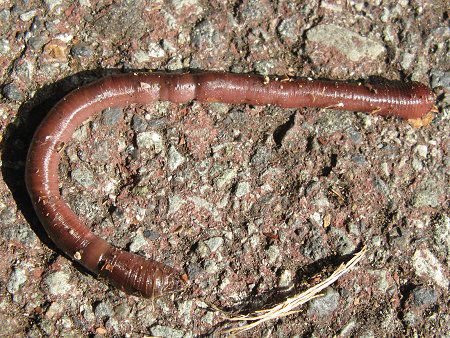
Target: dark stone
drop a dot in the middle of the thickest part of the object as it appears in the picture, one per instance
(423, 296)
(37, 42)
(111, 116)
(81, 50)
(193, 270)
(138, 124)
(150, 234)
(12, 92)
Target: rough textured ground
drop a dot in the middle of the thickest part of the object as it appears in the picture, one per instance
(249, 201)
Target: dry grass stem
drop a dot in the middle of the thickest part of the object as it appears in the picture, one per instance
(289, 306)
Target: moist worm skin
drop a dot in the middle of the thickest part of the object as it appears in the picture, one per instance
(133, 273)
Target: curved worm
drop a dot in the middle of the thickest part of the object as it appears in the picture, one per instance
(133, 273)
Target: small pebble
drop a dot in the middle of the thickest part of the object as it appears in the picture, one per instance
(58, 283)
(8, 215)
(273, 253)
(5, 14)
(112, 115)
(202, 249)
(226, 178)
(214, 243)
(16, 280)
(83, 176)
(65, 322)
(27, 16)
(175, 158)
(37, 42)
(406, 60)
(351, 44)
(424, 296)
(150, 234)
(123, 310)
(347, 329)
(427, 193)
(175, 203)
(421, 150)
(205, 36)
(103, 309)
(166, 332)
(21, 232)
(440, 78)
(342, 241)
(193, 270)
(381, 283)
(324, 306)
(184, 310)
(141, 56)
(81, 50)
(54, 309)
(208, 318)
(417, 164)
(441, 234)
(12, 92)
(88, 313)
(138, 124)
(51, 4)
(211, 267)
(146, 316)
(150, 140)
(155, 50)
(138, 242)
(410, 318)
(427, 265)
(242, 189)
(157, 123)
(85, 3)
(285, 279)
(112, 325)
(4, 46)
(289, 30)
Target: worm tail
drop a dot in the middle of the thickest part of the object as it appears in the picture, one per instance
(137, 275)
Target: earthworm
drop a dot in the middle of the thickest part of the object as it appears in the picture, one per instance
(133, 273)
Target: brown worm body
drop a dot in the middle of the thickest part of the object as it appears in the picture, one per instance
(134, 273)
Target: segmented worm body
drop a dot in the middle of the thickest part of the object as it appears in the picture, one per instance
(131, 272)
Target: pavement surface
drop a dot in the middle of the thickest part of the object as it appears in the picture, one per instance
(253, 203)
